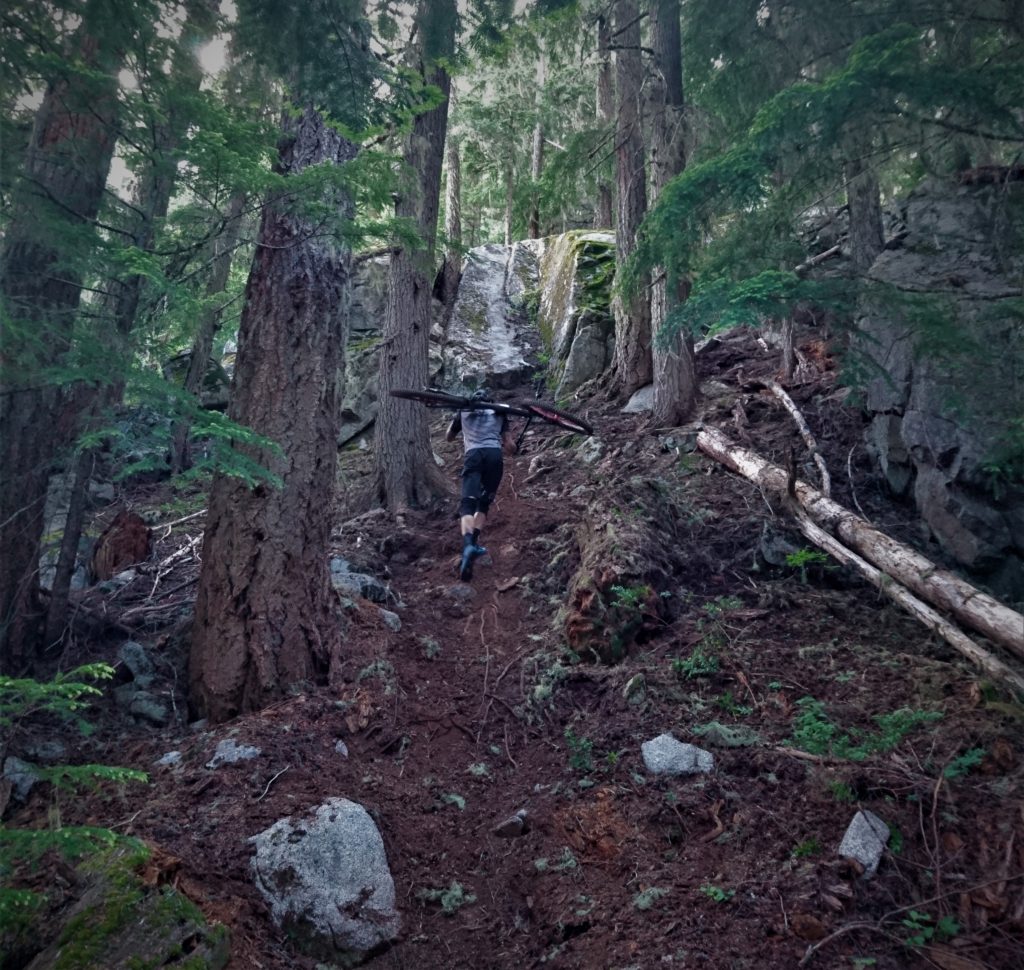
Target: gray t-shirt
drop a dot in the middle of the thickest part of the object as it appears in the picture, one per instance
(482, 429)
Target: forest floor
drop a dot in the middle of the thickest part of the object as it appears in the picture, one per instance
(477, 708)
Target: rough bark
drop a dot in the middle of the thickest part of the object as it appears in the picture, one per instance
(604, 215)
(918, 573)
(55, 203)
(266, 616)
(675, 380)
(510, 186)
(405, 473)
(536, 167)
(867, 237)
(451, 268)
(632, 367)
(199, 358)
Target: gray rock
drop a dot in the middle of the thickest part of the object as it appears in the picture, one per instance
(461, 593)
(134, 656)
(392, 620)
(169, 759)
(664, 755)
(487, 338)
(642, 400)
(341, 748)
(48, 752)
(148, 707)
(865, 840)
(101, 492)
(327, 881)
(229, 752)
(591, 450)
(21, 775)
(348, 583)
(937, 428)
(590, 352)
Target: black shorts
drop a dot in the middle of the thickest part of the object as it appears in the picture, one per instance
(481, 475)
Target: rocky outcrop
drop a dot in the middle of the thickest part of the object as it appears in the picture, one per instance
(489, 338)
(946, 339)
(516, 307)
(574, 316)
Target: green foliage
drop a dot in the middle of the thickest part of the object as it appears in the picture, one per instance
(842, 792)
(646, 899)
(803, 558)
(815, 733)
(566, 862)
(716, 893)
(451, 899)
(805, 849)
(65, 696)
(961, 766)
(630, 598)
(581, 752)
(922, 928)
(698, 664)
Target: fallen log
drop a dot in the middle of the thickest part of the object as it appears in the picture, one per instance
(935, 622)
(939, 587)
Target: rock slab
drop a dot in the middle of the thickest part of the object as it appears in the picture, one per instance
(326, 879)
(865, 841)
(664, 755)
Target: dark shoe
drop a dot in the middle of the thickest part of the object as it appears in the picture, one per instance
(466, 565)
(478, 550)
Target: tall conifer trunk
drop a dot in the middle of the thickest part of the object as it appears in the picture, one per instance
(632, 364)
(266, 616)
(675, 384)
(865, 207)
(451, 268)
(55, 203)
(604, 216)
(405, 473)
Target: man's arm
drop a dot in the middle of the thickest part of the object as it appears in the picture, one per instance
(454, 428)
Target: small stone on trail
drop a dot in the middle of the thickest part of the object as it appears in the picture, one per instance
(134, 656)
(341, 748)
(636, 689)
(171, 758)
(392, 620)
(514, 826)
(865, 841)
(229, 752)
(642, 400)
(664, 755)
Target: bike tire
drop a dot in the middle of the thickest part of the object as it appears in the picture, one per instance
(551, 414)
(434, 399)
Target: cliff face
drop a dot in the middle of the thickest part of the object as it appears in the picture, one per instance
(946, 372)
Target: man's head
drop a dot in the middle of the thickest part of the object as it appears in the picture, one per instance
(481, 394)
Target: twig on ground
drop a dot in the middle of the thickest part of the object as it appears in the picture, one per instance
(805, 432)
(187, 518)
(849, 475)
(272, 780)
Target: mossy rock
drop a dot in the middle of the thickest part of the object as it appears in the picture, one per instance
(120, 923)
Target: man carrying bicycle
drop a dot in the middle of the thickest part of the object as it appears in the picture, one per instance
(485, 437)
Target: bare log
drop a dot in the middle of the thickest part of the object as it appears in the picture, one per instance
(955, 637)
(939, 587)
(812, 446)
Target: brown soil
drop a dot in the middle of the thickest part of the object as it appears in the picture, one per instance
(477, 708)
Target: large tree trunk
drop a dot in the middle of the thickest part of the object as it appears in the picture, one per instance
(209, 323)
(675, 380)
(536, 167)
(918, 573)
(266, 616)
(451, 268)
(632, 365)
(405, 474)
(46, 238)
(865, 207)
(604, 215)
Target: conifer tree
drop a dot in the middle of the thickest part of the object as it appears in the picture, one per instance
(48, 238)
(405, 472)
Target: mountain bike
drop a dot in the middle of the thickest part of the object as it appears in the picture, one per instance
(531, 410)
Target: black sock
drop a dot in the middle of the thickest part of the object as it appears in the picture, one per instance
(467, 540)
(476, 537)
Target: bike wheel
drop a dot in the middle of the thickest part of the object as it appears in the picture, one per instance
(553, 415)
(433, 399)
